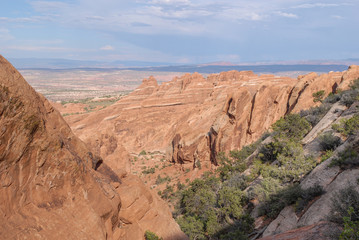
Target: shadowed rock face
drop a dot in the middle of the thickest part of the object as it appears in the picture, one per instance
(193, 118)
(53, 187)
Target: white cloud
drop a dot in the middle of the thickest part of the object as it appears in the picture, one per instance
(337, 17)
(239, 14)
(160, 16)
(169, 17)
(107, 48)
(322, 5)
(23, 19)
(97, 18)
(287, 15)
(170, 2)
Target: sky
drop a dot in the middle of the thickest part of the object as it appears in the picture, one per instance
(180, 31)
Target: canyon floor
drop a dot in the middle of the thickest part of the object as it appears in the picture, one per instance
(78, 84)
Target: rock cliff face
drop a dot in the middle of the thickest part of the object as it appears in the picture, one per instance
(53, 187)
(192, 118)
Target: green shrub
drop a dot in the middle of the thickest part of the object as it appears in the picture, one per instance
(276, 202)
(328, 141)
(167, 193)
(346, 159)
(332, 98)
(354, 85)
(349, 97)
(231, 202)
(245, 152)
(291, 163)
(151, 236)
(199, 202)
(228, 167)
(315, 114)
(143, 152)
(326, 155)
(292, 194)
(180, 186)
(318, 96)
(239, 230)
(211, 222)
(149, 171)
(292, 126)
(351, 228)
(265, 189)
(192, 226)
(209, 207)
(307, 196)
(161, 180)
(342, 201)
(270, 151)
(348, 126)
(237, 180)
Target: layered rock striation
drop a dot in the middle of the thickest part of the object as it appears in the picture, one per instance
(193, 118)
(54, 187)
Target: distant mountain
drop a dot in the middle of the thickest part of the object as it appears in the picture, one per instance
(57, 63)
(254, 68)
(215, 67)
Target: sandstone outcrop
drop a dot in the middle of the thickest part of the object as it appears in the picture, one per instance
(331, 178)
(322, 230)
(192, 118)
(54, 187)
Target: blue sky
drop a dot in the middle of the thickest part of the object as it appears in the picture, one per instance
(180, 31)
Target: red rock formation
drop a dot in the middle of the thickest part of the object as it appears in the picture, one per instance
(192, 118)
(53, 187)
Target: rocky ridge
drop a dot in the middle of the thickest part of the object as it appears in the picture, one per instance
(54, 187)
(192, 118)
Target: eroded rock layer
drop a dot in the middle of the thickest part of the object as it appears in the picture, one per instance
(192, 118)
(53, 187)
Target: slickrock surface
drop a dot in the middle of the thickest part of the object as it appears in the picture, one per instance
(191, 118)
(320, 231)
(53, 187)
